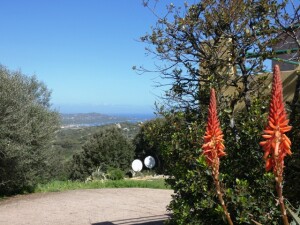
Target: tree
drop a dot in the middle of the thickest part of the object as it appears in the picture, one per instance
(217, 43)
(223, 45)
(148, 142)
(27, 127)
(106, 149)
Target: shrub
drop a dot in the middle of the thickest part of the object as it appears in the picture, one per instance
(115, 174)
(107, 148)
(146, 143)
(98, 174)
(248, 190)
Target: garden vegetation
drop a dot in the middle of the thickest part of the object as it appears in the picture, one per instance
(223, 45)
(27, 128)
(210, 46)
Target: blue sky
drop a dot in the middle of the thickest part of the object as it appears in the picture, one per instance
(83, 51)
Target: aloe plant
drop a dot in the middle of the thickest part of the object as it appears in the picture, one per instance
(214, 148)
(276, 144)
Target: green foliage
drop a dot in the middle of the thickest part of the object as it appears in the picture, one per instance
(292, 169)
(56, 186)
(178, 134)
(27, 127)
(207, 44)
(294, 215)
(146, 143)
(115, 174)
(98, 175)
(244, 168)
(249, 192)
(106, 149)
(69, 141)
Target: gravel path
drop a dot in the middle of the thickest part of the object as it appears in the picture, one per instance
(128, 206)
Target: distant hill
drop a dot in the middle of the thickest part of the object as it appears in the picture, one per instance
(70, 141)
(98, 119)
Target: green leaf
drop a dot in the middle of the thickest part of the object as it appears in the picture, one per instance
(294, 215)
(228, 110)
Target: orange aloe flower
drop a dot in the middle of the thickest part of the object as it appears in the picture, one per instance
(213, 140)
(213, 148)
(276, 144)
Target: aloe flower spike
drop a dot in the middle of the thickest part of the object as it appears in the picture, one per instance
(276, 144)
(213, 148)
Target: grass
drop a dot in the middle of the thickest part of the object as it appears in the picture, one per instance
(57, 186)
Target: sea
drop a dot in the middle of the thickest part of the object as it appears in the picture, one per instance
(113, 119)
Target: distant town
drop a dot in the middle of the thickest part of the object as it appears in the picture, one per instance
(76, 120)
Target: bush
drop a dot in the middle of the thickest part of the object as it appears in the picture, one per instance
(146, 143)
(248, 190)
(107, 148)
(115, 174)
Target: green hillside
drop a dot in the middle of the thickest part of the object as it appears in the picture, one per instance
(69, 140)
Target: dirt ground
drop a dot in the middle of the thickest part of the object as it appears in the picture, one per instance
(128, 206)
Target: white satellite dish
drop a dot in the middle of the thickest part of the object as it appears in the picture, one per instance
(149, 162)
(137, 165)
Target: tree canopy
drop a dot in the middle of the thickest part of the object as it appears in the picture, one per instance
(217, 43)
(27, 127)
(222, 45)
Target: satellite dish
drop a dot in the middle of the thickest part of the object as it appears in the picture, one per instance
(137, 165)
(149, 162)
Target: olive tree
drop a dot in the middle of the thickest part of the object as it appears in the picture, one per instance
(27, 128)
